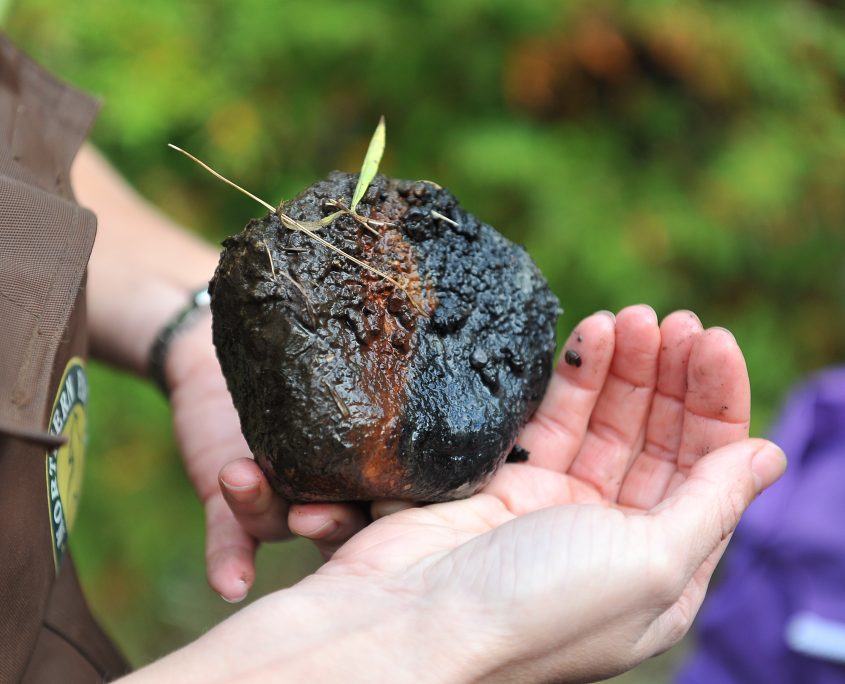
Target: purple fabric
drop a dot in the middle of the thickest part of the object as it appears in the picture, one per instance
(787, 556)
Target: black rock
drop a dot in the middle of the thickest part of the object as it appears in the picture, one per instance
(351, 388)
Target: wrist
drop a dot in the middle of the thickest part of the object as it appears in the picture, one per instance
(386, 634)
(340, 629)
(327, 629)
(191, 351)
(124, 325)
(193, 310)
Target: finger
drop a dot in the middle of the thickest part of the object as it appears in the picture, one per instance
(693, 594)
(705, 509)
(229, 551)
(328, 525)
(698, 521)
(674, 623)
(649, 476)
(525, 488)
(555, 433)
(717, 408)
(258, 509)
(617, 425)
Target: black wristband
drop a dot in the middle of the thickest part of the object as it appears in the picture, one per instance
(158, 352)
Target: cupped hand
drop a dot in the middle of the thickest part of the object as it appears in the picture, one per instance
(241, 510)
(596, 553)
(625, 423)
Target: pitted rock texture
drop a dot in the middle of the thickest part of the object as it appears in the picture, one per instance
(347, 389)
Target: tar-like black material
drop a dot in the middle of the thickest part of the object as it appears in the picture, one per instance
(351, 387)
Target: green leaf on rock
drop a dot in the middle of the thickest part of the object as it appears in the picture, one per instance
(370, 166)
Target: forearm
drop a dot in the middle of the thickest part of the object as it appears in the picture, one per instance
(142, 269)
(319, 632)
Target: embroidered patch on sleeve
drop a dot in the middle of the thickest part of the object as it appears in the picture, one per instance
(65, 463)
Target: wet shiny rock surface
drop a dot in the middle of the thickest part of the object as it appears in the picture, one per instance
(349, 389)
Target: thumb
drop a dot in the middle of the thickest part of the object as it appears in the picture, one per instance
(705, 509)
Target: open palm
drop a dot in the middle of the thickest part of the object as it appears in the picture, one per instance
(627, 436)
(625, 427)
(628, 424)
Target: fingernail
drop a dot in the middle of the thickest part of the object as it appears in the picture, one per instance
(694, 317)
(314, 529)
(609, 314)
(650, 309)
(243, 493)
(768, 465)
(725, 330)
(238, 597)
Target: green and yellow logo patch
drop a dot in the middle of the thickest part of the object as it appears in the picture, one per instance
(65, 463)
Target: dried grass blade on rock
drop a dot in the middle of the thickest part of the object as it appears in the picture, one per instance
(309, 227)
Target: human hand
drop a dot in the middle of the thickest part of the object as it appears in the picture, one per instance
(468, 591)
(625, 424)
(241, 510)
(628, 404)
(596, 554)
(573, 567)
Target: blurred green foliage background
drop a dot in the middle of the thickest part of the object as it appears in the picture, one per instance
(685, 154)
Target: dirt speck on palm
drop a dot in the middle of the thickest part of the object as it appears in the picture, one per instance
(351, 388)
